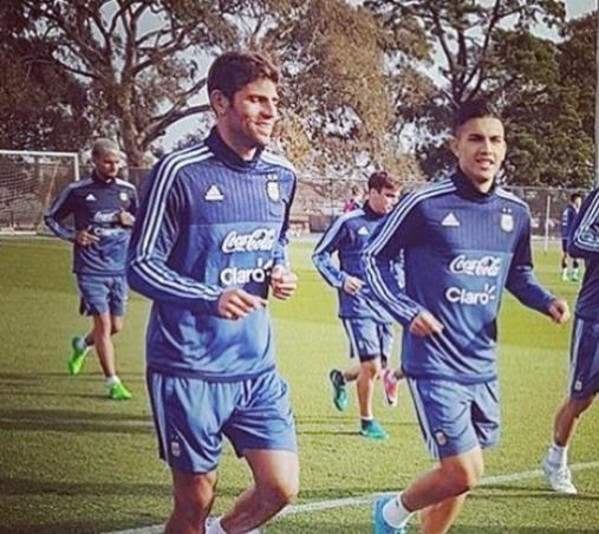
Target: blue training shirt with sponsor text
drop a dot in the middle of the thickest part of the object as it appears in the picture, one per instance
(346, 237)
(210, 221)
(584, 243)
(95, 204)
(461, 248)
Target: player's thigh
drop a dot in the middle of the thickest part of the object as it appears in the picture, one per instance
(189, 416)
(486, 414)
(275, 471)
(444, 410)
(194, 490)
(263, 419)
(584, 359)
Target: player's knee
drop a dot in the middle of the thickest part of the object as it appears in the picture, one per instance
(193, 507)
(116, 327)
(465, 476)
(280, 494)
(371, 368)
(579, 406)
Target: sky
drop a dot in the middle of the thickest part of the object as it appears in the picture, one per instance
(574, 9)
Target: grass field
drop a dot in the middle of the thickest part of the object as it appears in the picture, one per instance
(73, 462)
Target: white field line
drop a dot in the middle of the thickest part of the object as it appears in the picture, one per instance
(319, 506)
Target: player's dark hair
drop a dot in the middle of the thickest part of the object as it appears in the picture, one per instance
(380, 179)
(233, 70)
(574, 196)
(477, 108)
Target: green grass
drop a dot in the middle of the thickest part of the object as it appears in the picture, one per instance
(71, 461)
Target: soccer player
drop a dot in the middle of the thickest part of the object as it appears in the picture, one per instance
(464, 240)
(367, 324)
(567, 222)
(209, 244)
(103, 209)
(584, 351)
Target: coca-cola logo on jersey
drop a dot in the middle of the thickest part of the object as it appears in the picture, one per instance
(485, 266)
(260, 239)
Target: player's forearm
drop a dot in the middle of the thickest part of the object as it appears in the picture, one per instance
(59, 230)
(155, 280)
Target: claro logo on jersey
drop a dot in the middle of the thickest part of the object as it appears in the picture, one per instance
(461, 295)
(487, 266)
(237, 276)
(260, 239)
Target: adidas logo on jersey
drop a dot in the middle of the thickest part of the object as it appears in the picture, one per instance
(90, 198)
(213, 194)
(363, 231)
(450, 220)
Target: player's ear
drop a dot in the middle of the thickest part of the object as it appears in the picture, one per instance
(453, 145)
(219, 102)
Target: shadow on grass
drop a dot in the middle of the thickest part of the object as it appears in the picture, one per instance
(75, 421)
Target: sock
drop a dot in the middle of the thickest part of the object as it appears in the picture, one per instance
(395, 513)
(110, 381)
(81, 344)
(215, 527)
(364, 421)
(558, 455)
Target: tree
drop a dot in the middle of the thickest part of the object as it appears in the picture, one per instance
(462, 33)
(41, 105)
(135, 57)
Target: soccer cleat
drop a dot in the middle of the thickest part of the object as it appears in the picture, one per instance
(119, 392)
(339, 390)
(574, 277)
(390, 387)
(77, 359)
(372, 429)
(559, 477)
(380, 525)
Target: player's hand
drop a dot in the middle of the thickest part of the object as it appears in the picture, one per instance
(283, 282)
(85, 238)
(236, 303)
(559, 311)
(352, 285)
(125, 219)
(425, 324)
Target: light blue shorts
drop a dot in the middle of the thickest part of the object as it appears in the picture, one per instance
(191, 416)
(368, 339)
(102, 294)
(455, 418)
(584, 359)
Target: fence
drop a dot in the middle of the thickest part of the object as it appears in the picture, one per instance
(27, 189)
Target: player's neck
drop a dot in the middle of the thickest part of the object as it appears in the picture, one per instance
(245, 151)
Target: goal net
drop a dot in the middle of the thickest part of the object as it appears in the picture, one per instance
(29, 181)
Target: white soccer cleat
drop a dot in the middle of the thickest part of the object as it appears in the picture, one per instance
(559, 478)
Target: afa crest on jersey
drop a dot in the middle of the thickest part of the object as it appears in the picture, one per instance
(507, 222)
(272, 187)
(123, 196)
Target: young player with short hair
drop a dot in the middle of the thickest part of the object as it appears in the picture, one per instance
(103, 208)
(368, 326)
(208, 247)
(464, 240)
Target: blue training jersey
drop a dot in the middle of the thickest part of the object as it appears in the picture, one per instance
(567, 221)
(584, 243)
(95, 204)
(347, 236)
(461, 248)
(210, 221)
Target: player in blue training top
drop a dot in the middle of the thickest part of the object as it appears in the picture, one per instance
(568, 217)
(103, 209)
(368, 326)
(584, 351)
(209, 244)
(464, 240)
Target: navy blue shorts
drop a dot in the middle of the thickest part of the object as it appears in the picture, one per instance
(584, 359)
(192, 415)
(456, 418)
(102, 294)
(368, 339)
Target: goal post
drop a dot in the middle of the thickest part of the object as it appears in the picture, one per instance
(29, 180)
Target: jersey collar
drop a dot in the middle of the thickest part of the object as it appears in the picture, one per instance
(467, 190)
(227, 155)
